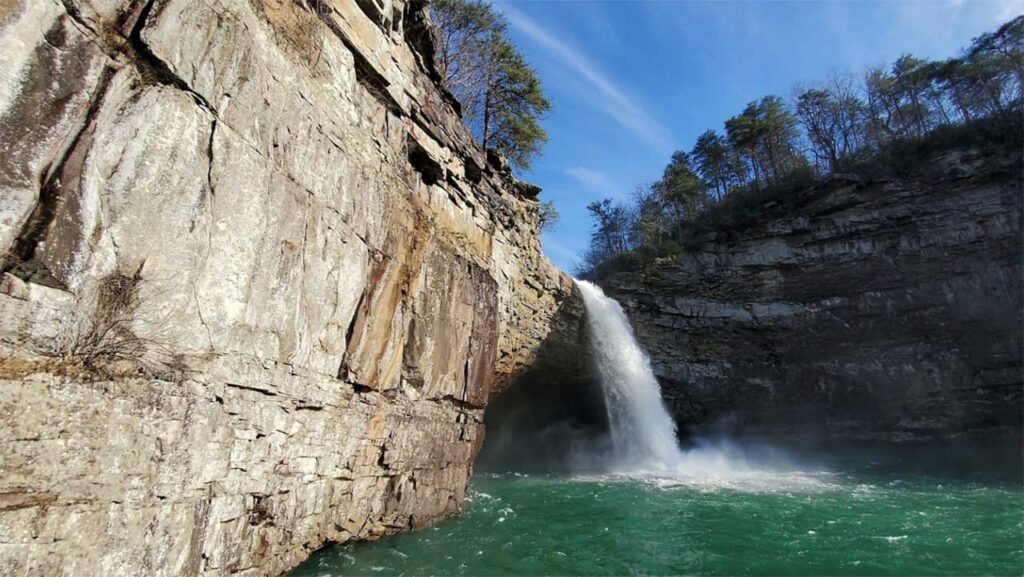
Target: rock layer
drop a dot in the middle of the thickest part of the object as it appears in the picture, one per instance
(258, 283)
(886, 309)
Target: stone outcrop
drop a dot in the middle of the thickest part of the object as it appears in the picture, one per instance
(887, 309)
(258, 283)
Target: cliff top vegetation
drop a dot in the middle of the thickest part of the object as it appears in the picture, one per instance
(888, 121)
(500, 93)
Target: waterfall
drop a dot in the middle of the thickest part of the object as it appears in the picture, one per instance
(643, 433)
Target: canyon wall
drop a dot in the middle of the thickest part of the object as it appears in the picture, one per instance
(884, 309)
(258, 283)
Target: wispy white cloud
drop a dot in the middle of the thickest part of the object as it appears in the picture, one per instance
(594, 181)
(612, 99)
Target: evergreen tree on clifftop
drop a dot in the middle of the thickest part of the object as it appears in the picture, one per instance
(501, 95)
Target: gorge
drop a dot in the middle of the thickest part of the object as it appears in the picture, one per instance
(640, 502)
(264, 296)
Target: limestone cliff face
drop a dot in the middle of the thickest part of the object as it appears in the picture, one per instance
(889, 309)
(258, 283)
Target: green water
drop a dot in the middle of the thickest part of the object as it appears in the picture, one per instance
(853, 516)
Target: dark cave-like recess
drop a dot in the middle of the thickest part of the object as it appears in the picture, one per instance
(552, 412)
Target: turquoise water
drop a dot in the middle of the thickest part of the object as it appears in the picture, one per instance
(850, 516)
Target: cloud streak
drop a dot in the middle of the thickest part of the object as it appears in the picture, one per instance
(614, 102)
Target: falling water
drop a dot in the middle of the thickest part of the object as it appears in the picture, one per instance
(643, 433)
(772, 518)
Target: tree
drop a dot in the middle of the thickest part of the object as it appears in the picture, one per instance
(717, 163)
(832, 119)
(1006, 44)
(886, 120)
(461, 27)
(949, 79)
(744, 134)
(778, 126)
(548, 216)
(650, 224)
(967, 83)
(611, 225)
(851, 111)
(513, 102)
(910, 87)
(816, 111)
(991, 71)
(765, 135)
(501, 95)
(681, 189)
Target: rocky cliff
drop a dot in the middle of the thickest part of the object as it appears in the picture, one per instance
(258, 283)
(876, 308)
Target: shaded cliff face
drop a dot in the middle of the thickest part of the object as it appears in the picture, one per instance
(888, 309)
(258, 283)
(555, 410)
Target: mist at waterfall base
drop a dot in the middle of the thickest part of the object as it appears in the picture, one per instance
(642, 433)
(639, 437)
(629, 500)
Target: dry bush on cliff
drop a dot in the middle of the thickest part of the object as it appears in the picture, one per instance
(116, 340)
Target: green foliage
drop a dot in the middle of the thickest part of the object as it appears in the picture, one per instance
(717, 163)
(744, 206)
(680, 188)
(998, 132)
(501, 95)
(765, 136)
(891, 125)
(611, 226)
(512, 106)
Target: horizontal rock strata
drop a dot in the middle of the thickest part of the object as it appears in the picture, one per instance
(884, 309)
(258, 283)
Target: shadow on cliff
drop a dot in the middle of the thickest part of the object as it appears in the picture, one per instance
(550, 417)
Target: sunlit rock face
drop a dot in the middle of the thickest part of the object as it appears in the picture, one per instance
(888, 309)
(301, 277)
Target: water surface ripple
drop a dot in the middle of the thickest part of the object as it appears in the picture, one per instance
(852, 518)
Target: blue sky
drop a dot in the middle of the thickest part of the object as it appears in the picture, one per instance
(631, 81)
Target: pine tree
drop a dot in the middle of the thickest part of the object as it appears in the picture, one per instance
(715, 161)
(513, 104)
(501, 95)
(681, 189)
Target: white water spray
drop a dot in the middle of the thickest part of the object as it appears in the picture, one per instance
(643, 433)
